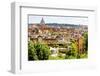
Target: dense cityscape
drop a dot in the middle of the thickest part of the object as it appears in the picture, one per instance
(58, 41)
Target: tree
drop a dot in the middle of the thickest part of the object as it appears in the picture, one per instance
(38, 51)
(31, 51)
(85, 45)
(86, 41)
(73, 51)
(43, 51)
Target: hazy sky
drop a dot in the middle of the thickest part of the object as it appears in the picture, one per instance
(55, 19)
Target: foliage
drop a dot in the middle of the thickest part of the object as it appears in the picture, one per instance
(31, 51)
(85, 51)
(84, 55)
(72, 53)
(43, 51)
(38, 51)
(86, 41)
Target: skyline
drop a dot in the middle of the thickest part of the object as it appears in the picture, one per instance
(59, 20)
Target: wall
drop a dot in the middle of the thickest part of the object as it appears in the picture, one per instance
(5, 33)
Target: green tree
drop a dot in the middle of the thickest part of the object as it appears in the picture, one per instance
(73, 51)
(86, 41)
(31, 51)
(38, 51)
(43, 51)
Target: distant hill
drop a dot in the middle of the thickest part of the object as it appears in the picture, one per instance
(61, 25)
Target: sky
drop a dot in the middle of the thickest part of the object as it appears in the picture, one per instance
(58, 19)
